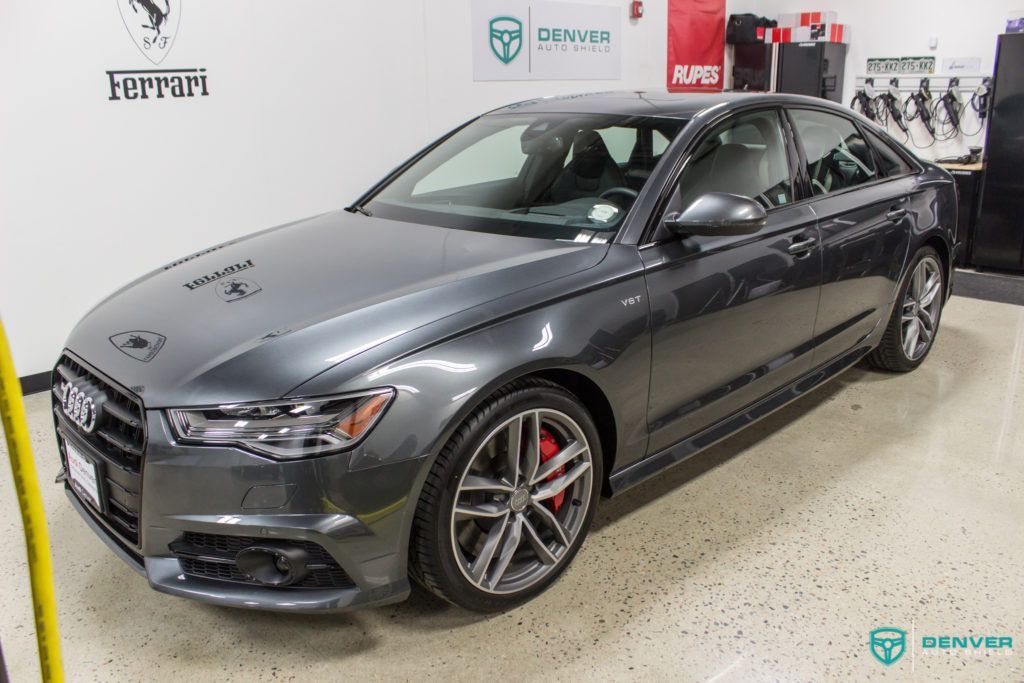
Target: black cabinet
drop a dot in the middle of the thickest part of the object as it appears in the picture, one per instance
(999, 234)
(752, 66)
(812, 69)
(968, 187)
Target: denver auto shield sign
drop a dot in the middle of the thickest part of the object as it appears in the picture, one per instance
(519, 40)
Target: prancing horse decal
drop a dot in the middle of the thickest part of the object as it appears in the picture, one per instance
(152, 24)
(139, 344)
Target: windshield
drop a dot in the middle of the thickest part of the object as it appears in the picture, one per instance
(556, 176)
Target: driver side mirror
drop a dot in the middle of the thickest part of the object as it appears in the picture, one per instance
(716, 214)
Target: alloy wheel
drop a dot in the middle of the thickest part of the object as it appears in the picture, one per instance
(921, 306)
(521, 501)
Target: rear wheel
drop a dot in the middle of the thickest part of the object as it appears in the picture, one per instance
(915, 319)
(509, 500)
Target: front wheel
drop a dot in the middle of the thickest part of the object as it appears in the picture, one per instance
(509, 499)
(915, 319)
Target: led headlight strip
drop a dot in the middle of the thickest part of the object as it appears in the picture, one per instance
(287, 429)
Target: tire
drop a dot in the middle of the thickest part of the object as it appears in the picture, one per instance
(454, 555)
(892, 352)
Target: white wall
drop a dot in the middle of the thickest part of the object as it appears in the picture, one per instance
(884, 28)
(310, 103)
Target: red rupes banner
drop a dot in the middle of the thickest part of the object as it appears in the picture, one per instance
(696, 44)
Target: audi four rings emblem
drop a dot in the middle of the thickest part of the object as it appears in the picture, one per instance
(81, 405)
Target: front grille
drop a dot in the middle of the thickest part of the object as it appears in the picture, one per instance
(116, 445)
(212, 556)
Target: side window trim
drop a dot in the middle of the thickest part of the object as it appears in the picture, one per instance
(783, 122)
(798, 162)
(805, 177)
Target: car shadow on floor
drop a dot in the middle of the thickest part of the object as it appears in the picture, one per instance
(669, 481)
(674, 478)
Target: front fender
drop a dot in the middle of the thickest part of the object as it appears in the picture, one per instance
(594, 323)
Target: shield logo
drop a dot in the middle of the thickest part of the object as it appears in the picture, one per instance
(236, 288)
(139, 344)
(506, 36)
(888, 644)
(152, 24)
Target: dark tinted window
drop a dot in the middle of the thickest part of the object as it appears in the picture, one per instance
(745, 156)
(892, 163)
(837, 155)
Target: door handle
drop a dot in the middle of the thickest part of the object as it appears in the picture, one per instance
(802, 246)
(896, 215)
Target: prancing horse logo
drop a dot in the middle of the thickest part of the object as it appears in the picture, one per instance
(235, 288)
(152, 24)
(139, 344)
(157, 15)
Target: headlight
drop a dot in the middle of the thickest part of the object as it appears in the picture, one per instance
(285, 429)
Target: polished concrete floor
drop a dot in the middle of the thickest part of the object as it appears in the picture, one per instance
(880, 500)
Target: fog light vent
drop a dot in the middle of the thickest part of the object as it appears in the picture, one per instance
(274, 564)
(259, 561)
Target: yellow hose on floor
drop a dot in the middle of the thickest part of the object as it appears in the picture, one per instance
(37, 540)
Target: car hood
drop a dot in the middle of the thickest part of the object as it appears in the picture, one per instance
(254, 318)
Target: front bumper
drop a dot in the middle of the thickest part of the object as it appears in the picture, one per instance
(360, 518)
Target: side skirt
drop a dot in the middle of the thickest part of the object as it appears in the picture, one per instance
(651, 465)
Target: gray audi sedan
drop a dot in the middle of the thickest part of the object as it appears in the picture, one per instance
(548, 305)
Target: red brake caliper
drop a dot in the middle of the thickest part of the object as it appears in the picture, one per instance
(549, 448)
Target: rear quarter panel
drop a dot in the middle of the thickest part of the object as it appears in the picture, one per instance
(934, 205)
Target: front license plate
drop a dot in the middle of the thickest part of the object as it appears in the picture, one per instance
(82, 473)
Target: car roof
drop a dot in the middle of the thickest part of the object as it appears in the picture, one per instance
(649, 102)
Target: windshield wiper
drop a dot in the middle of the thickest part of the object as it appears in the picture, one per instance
(358, 208)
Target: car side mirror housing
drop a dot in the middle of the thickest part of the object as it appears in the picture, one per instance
(718, 213)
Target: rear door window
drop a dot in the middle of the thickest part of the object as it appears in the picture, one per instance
(892, 163)
(838, 157)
